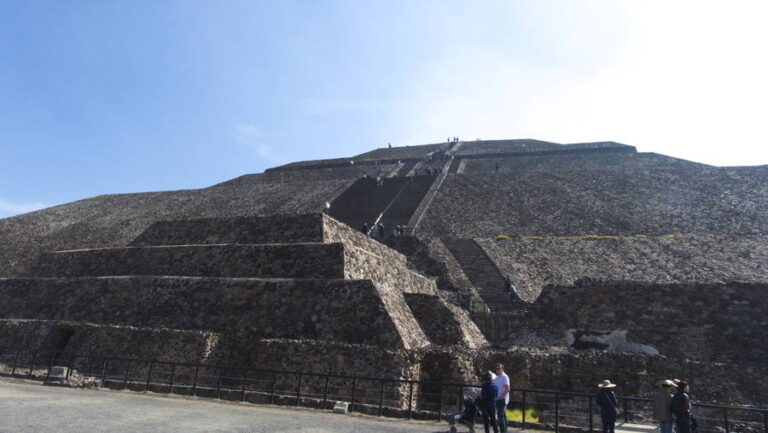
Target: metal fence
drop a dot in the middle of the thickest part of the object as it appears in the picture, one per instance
(539, 408)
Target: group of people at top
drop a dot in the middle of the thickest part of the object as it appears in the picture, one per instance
(378, 230)
(671, 407)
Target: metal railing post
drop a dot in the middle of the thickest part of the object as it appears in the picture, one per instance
(149, 375)
(524, 394)
(32, 366)
(626, 411)
(245, 378)
(460, 401)
(50, 367)
(765, 422)
(354, 386)
(381, 396)
(173, 378)
(325, 390)
(72, 359)
(725, 419)
(218, 385)
(194, 381)
(104, 372)
(440, 404)
(298, 392)
(125, 378)
(274, 384)
(15, 362)
(557, 413)
(410, 400)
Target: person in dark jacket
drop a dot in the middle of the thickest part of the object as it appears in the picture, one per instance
(488, 394)
(681, 408)
(609, 406)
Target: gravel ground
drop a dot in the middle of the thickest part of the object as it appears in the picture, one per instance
(30, 407)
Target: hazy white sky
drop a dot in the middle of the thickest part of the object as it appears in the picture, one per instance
(129, 96)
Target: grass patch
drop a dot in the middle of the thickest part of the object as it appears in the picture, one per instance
(517, 415)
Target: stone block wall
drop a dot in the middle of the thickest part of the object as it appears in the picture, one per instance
(65, 338)
(253, 261)
(333, 310)
(366, 258)
(238, 230)
(705, 322)
(443, 323)
(602, 201)
(636, 374)
(539, 261)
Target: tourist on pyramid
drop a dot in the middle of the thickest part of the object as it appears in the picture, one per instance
(511, 289)
(502, 382)
(609, 405)
(662, 405)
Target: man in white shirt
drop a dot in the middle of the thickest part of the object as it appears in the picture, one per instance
(502, 382)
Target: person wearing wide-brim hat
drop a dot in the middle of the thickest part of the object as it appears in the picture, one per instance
(662, 405)
(609, 405)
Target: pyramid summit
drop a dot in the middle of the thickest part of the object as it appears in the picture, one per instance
(625, 264)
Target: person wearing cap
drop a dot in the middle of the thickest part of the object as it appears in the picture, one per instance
(609, 405)
(662, 405)
(681, 408)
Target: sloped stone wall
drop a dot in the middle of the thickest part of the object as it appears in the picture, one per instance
(115, 220)
(238, 230)
(65, 338)
(602, 201)
(539, 261)
(252, 261)
(335, 310)
(366, 258)
(443, 323)
(707, 322)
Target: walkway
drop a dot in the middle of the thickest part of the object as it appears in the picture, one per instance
(31, 407)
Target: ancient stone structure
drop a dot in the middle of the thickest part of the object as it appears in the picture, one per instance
(627, 265)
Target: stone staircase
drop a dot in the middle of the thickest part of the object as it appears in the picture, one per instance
(408, 201)
(407, 167)
(397, 199)
(481, 271)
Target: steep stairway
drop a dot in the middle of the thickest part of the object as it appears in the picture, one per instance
(413, 193)
(481, 271)
(365, 201)
(406, 168)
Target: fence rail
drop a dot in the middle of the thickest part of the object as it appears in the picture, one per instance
(540, 408)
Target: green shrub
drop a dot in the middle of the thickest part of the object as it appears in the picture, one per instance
(517, 415)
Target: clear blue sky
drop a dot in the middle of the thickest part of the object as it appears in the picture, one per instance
(102, 97)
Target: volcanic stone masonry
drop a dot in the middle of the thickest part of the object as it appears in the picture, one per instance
(629, 265)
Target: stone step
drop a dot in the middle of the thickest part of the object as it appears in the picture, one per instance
(403, 208)
(480, 270)
(314, 309)
(311, 260)
(443, 323)
(364, 201)
(63, 338)
(242, 230)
